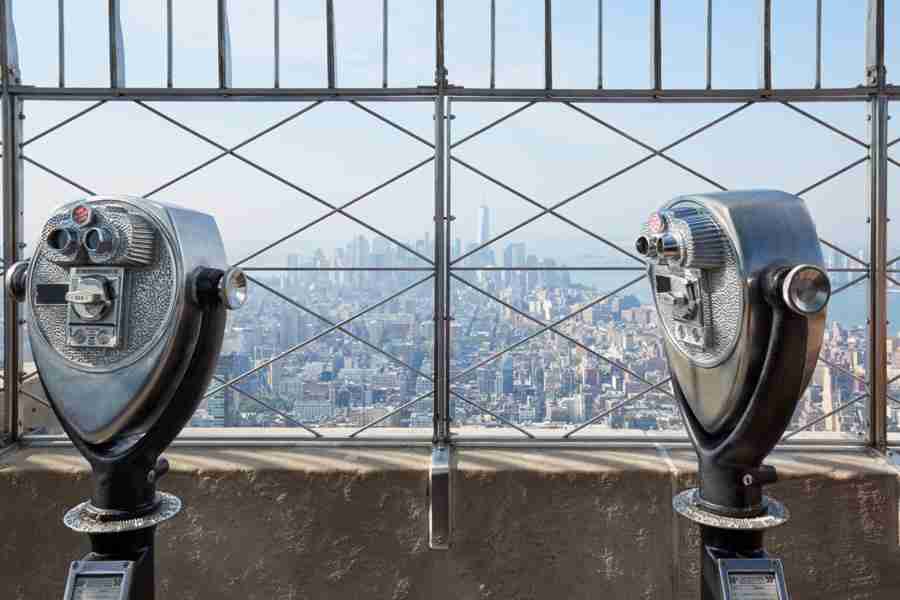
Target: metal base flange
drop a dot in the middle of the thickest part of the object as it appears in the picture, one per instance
(686, 504)
(82, 519)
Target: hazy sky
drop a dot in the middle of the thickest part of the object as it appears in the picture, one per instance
(548, 152)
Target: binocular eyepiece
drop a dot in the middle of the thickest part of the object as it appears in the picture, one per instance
(689, 238)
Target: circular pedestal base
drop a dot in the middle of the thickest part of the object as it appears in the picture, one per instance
(687, 506)
(82, 519)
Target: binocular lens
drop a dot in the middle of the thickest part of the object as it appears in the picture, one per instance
(668, 247)
(63, 239)
(98, 241)
(92, 240)
(59, 239)
(642, 245)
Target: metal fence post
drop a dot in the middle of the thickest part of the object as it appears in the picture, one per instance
(441, 309)
(877, 182)
(441, 260)
(439, 488)
(12, 218)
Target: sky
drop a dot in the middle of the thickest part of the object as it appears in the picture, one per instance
(548, 152)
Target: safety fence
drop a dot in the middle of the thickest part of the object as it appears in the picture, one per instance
(537, 329)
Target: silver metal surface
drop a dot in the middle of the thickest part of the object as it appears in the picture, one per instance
(151, 316)
(763, 229)
(687, 505)
(233, 288)
(80, 518)
(15, 280)
(439, 495)
(806, 289)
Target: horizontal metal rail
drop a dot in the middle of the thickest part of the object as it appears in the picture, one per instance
(428, 93)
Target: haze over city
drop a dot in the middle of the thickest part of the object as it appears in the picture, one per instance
(547, 153)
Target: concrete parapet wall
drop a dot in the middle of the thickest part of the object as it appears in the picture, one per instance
(528, 524)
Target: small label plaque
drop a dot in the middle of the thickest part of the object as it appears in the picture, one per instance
(753, 586)
(99, 580)
(98, 587)
(752, 579)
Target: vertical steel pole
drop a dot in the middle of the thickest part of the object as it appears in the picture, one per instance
(599, 44)
(116, 46)
(656, 45)
(765, 46)
(441, 258)
(384, 43)
(276, 41)
(440, 471)
(169, 44)
(12, 218)
(61, 41)
(548, 45)
(330, 45)
(878, 165)
(224, 39)
(493, 44)
(818, 83)
(709, 25)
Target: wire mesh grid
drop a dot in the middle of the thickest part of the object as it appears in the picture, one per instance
(465, 394)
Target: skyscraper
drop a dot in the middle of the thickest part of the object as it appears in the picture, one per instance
(484, 224)
(293, 277)
(513, 257)
(507, 370)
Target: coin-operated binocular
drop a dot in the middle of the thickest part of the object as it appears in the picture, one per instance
(125, 301)
(741, 293)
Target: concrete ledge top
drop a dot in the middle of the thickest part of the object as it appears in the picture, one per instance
(844, 464)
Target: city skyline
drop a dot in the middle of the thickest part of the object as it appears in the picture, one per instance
(608, 355)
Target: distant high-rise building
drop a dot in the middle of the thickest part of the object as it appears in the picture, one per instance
(540, 400)
(362, 258)
(223, 406)
(507, 375)
(484, 224)
(293, 278)
(531, 276)
(292, 325)
(513, 257)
